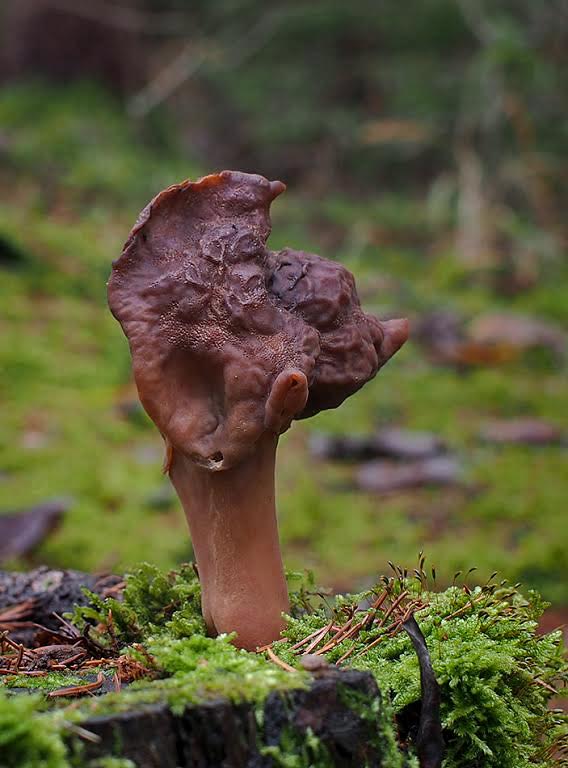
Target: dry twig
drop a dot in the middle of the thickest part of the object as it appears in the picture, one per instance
(78, 690)
(282, 664)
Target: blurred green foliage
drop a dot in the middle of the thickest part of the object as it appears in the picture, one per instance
(367, 95)
(75, 174)
(78, 150)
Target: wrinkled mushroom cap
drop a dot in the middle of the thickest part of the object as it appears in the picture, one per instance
(220, 328)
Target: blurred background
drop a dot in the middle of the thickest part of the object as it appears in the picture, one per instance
(424, 145)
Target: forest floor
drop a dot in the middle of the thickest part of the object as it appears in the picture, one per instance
(74, 175)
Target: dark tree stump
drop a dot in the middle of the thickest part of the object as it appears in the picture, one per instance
(220, 734)
(146, 736)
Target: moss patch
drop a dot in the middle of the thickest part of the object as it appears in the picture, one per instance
(29, 738)
(496, 673)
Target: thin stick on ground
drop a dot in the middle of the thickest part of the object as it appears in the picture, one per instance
(278, 661)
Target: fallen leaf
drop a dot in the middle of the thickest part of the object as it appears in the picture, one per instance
(521, 332)
(400, 444)
(520, 432)
(21, 532)
(388, 477)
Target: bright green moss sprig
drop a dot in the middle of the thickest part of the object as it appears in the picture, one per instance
(199, 668)
(51, 682)
(152, 601)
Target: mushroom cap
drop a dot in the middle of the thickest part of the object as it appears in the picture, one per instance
(216, 322)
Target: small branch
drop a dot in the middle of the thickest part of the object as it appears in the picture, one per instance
(4, 671)
(78, 690)
(16, 612)
(169, 79)
(320, 636)
(303, 641)
(429, 740)
(543, 684)
(188, 62)
(282, 664)
(393, 607)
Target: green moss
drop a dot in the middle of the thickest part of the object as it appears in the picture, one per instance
(200, 668)
(163, 612)
(152, 601)
(495, 671)
(484, 643)
(299, 750)
(28, 737)
(51, 682)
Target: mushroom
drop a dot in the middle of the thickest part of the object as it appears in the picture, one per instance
(230, 342)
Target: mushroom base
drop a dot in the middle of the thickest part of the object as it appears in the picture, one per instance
(232, 520)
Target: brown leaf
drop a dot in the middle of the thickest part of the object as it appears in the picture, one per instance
(387, 477)
(22, 532)
(520, 431)
(395, 443)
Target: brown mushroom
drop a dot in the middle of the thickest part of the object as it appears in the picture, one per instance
(230, 342)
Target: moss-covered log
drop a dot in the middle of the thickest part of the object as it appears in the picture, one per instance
(337, 721)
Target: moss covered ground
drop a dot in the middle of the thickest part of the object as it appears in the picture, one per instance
(496, 673)
(74, 175)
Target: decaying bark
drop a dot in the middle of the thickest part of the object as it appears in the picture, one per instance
(220, 733)
(37, 597)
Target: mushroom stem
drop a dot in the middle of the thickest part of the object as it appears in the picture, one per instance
(232, 521)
